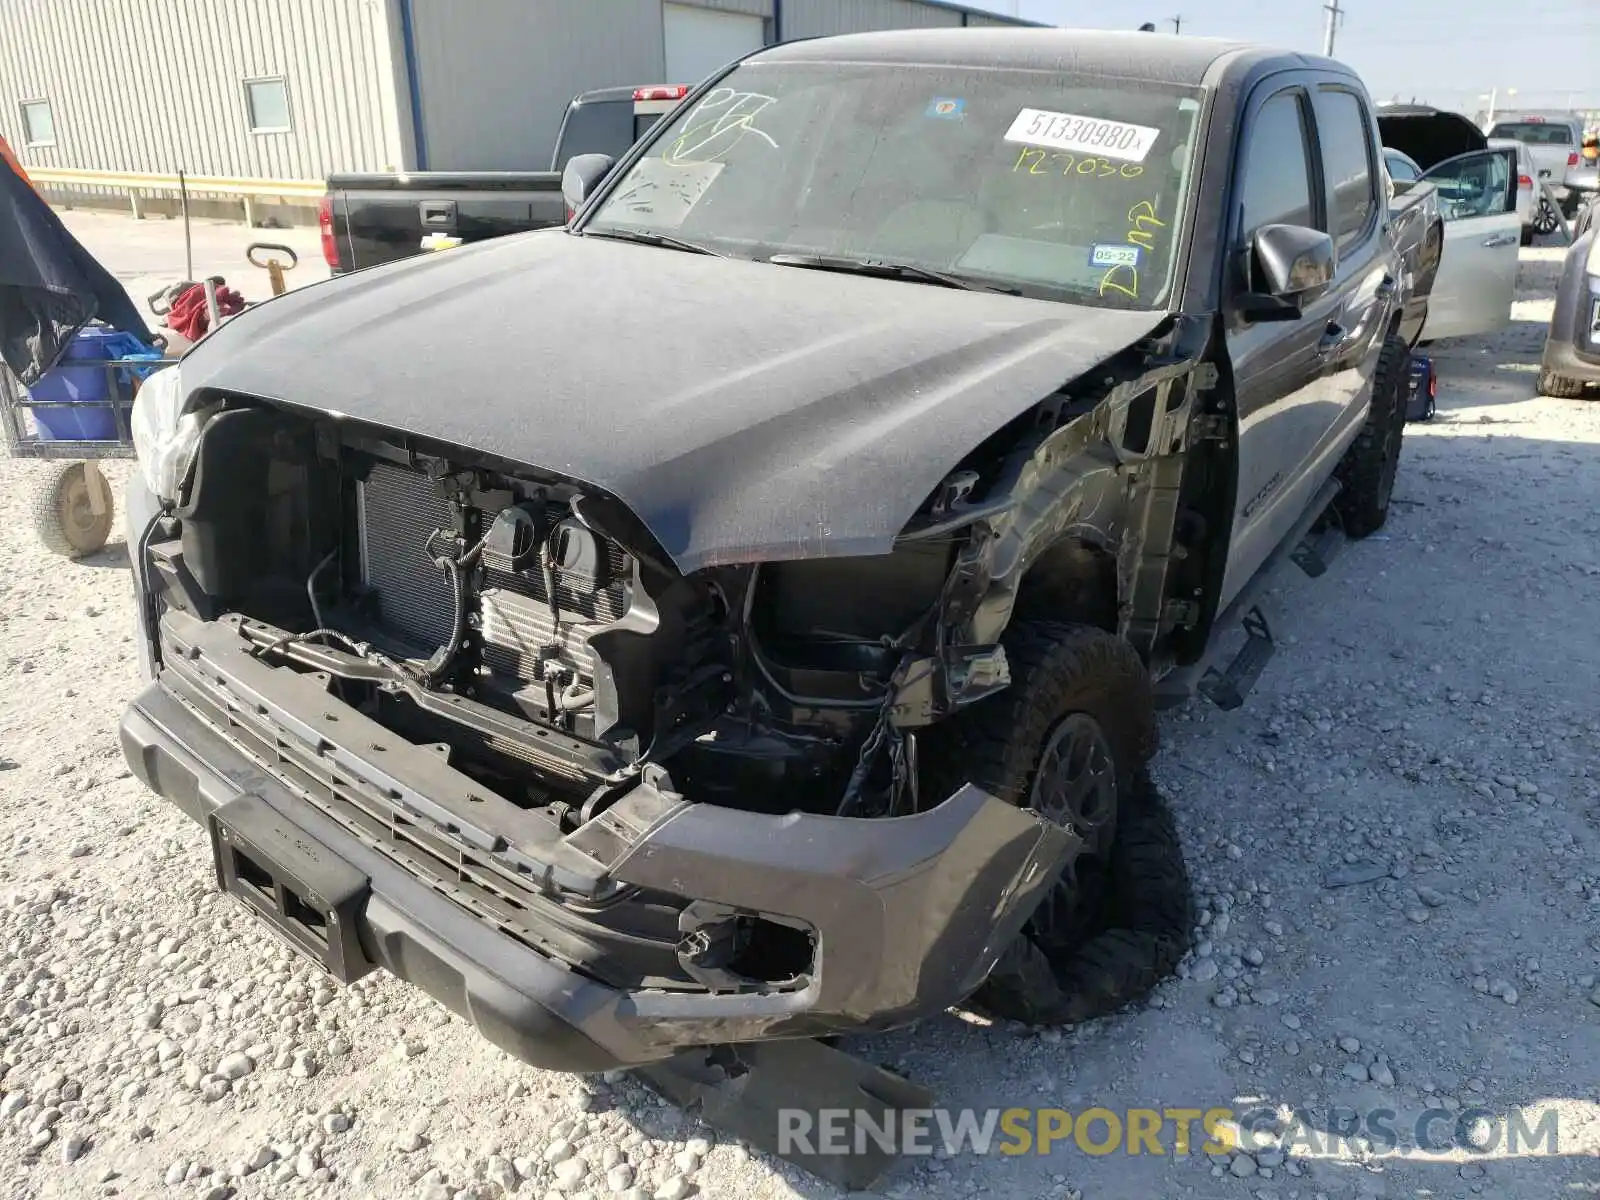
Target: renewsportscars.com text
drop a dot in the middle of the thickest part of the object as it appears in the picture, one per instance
(1305, 1133)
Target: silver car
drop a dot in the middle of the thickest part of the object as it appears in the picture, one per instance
(1570, 367)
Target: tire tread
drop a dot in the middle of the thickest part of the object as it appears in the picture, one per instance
(1058, 667)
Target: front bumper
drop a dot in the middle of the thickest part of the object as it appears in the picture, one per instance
(1572, 348)
(1562, 357)
(908, 914)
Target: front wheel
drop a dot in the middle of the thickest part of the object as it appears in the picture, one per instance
(1069, 740)
(1368, 469)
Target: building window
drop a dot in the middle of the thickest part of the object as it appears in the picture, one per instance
(38, 123)
(266, 103)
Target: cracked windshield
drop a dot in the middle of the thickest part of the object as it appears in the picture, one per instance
(1015, 180)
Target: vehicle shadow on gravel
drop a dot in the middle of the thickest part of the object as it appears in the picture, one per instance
(113, 555)
(1479, 372)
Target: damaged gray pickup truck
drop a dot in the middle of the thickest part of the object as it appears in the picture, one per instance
(741, 615)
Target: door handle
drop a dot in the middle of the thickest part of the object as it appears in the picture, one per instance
(1335, 337)
(1500, 239)
(437, 212)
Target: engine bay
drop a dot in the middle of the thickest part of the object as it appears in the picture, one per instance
(538, 634)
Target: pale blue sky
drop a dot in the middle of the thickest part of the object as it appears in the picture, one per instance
(1445, 52)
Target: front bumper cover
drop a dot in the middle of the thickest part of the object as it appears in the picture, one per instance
(908, 914)
(1572, 347)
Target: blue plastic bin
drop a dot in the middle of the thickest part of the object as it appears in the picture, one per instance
(79, 385)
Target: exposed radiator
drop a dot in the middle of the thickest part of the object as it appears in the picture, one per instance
(398, 510)
(519, 629)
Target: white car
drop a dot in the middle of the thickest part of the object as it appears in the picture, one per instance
(1479, 199)
(1535, 209)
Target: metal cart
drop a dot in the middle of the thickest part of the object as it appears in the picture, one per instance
(72, 506)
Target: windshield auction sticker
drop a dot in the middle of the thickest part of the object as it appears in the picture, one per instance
(663, 191)
(1086, 135)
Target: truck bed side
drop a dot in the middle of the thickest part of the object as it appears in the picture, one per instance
(379, 218)
(1418, 235)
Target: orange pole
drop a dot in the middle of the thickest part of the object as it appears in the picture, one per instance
(11, 161)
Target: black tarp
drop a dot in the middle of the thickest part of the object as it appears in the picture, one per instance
(50, 286)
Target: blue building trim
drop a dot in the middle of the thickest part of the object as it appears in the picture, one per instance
(408, 46)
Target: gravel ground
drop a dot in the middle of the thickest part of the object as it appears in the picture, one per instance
(1394, 844)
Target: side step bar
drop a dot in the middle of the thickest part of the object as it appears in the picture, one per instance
(1316, 551)
(1228, 686)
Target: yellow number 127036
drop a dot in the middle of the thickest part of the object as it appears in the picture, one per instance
(1045, 162)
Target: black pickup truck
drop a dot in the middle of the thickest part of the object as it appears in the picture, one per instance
(788, 663)
(368, 219)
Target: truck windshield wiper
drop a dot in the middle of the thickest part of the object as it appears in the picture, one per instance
(646, 238)
(889, 270)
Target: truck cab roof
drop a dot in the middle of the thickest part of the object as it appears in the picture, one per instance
(1160, 58)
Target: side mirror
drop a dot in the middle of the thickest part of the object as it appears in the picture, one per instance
(1290, 264)
(583, 174)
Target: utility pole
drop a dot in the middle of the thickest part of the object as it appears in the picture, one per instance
(1335, 18)
(1177, 23)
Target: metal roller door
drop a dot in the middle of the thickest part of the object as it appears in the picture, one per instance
(701, 40)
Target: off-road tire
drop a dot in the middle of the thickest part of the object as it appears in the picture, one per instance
(1136, 923)
(1562, 387)
(62, 516)
(1367, 471)
(1144, 932)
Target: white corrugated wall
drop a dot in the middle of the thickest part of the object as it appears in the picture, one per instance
(158, 85)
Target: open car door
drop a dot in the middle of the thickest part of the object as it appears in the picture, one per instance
(1478, 272)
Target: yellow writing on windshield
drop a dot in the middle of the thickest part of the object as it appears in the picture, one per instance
(1045, 162)
(1142, 226)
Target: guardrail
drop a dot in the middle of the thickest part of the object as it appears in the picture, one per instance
(137, 185)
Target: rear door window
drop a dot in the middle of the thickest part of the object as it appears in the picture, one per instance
(1347, 167)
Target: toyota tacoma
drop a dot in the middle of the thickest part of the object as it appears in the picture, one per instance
(741, 615)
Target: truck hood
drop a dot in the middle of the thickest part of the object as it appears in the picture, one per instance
(745, 412)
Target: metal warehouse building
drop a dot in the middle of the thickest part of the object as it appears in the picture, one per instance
(292, 90)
